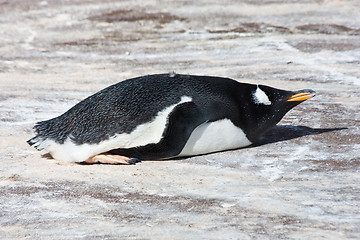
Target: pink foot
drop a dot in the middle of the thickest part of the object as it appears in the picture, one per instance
(112, 159)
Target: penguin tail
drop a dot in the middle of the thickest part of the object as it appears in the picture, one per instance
(36, 142)
(42, 130)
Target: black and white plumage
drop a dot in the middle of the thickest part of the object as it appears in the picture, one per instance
(164, 116)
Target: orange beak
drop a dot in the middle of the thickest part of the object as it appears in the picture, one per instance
(301, 96)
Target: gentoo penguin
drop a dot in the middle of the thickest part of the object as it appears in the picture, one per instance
(164, 116)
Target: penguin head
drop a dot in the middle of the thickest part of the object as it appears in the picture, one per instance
(269, 105)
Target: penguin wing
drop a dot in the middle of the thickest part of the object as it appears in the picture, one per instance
(181, 123)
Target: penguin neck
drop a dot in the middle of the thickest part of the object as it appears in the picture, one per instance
(260, 124)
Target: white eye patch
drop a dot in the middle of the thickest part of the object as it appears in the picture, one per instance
(260, 97)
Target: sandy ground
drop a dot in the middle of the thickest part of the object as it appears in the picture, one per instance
(300, 182)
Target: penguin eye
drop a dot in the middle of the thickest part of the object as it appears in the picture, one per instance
(260, 97)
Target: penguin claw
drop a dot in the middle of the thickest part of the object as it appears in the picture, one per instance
(130, 162)
(133, 161)
(136, 160)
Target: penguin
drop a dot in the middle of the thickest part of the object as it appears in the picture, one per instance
(164, 116)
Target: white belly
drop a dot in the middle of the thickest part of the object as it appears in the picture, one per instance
(213, 137)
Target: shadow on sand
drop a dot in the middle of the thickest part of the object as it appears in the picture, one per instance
(281, 133)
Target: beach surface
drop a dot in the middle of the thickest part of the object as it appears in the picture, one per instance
(301, 181)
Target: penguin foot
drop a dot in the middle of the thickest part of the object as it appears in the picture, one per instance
(111, 159)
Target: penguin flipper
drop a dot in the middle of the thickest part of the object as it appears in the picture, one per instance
(181, 122)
